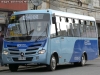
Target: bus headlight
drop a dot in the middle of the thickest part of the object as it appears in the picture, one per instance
(41, 51)
(5, 52)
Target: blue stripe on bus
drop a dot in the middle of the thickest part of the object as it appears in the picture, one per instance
(89, 46)
(42, 42)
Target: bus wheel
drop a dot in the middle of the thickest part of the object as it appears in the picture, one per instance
(53, 64)
(13, 67)
(83, 60)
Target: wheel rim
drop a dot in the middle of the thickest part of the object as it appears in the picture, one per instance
(83, 60)
(53, 63)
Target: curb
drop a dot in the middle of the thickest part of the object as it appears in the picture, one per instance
(3, 68)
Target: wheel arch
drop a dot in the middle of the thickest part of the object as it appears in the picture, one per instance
(56, 56)
(85, 55)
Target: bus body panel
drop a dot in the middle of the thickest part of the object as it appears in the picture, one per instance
(90, 46)
(71, 49)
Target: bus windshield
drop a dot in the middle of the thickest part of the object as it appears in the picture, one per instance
(27, 27)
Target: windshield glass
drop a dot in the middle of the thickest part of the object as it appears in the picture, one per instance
(27, 27)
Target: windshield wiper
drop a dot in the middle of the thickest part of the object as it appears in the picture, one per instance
(41, 34)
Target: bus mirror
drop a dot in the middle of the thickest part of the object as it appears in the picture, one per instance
(53, 20)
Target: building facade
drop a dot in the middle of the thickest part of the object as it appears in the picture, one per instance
(6, 9)
(14, 5)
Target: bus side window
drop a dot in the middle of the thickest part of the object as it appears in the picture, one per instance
(88, 28)
(76, 28)
(83, 28)
(58, 19)
(55, 26)
(67, 26)
(63, 28)
(53, 31)
(70, 30)
(93, 29)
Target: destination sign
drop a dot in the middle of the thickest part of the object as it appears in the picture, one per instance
(32, 16)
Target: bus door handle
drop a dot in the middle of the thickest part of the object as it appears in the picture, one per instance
(62, 37)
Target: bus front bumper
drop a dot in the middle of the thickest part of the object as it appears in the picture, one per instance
(35, 59)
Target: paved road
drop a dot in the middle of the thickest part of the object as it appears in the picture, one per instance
(91, 68)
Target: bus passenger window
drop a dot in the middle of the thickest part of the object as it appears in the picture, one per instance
(83, 28)
(70, 30)
(53, 31)
(88, 29)
(76, 28)
(58, 25)
(58, 29)
(93, 29)
(58, 19)
(67, 28)
(63, 28)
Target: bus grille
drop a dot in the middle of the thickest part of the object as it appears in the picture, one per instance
(14, 53)
(36, 45)
(30, 53)
(32, 49)
(13, 50)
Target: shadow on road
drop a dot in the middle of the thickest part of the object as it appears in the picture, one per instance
(4, 70)
(44, 69)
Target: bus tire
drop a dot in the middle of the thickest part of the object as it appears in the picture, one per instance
(53, 63)
(83, 60)
(13, 67)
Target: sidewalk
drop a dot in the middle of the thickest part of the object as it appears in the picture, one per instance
(98, 57)
(3, 68)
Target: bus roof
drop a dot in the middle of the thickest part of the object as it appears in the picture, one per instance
(72, 15)
(59, 13)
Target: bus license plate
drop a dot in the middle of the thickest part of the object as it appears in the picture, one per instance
(22, 58)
